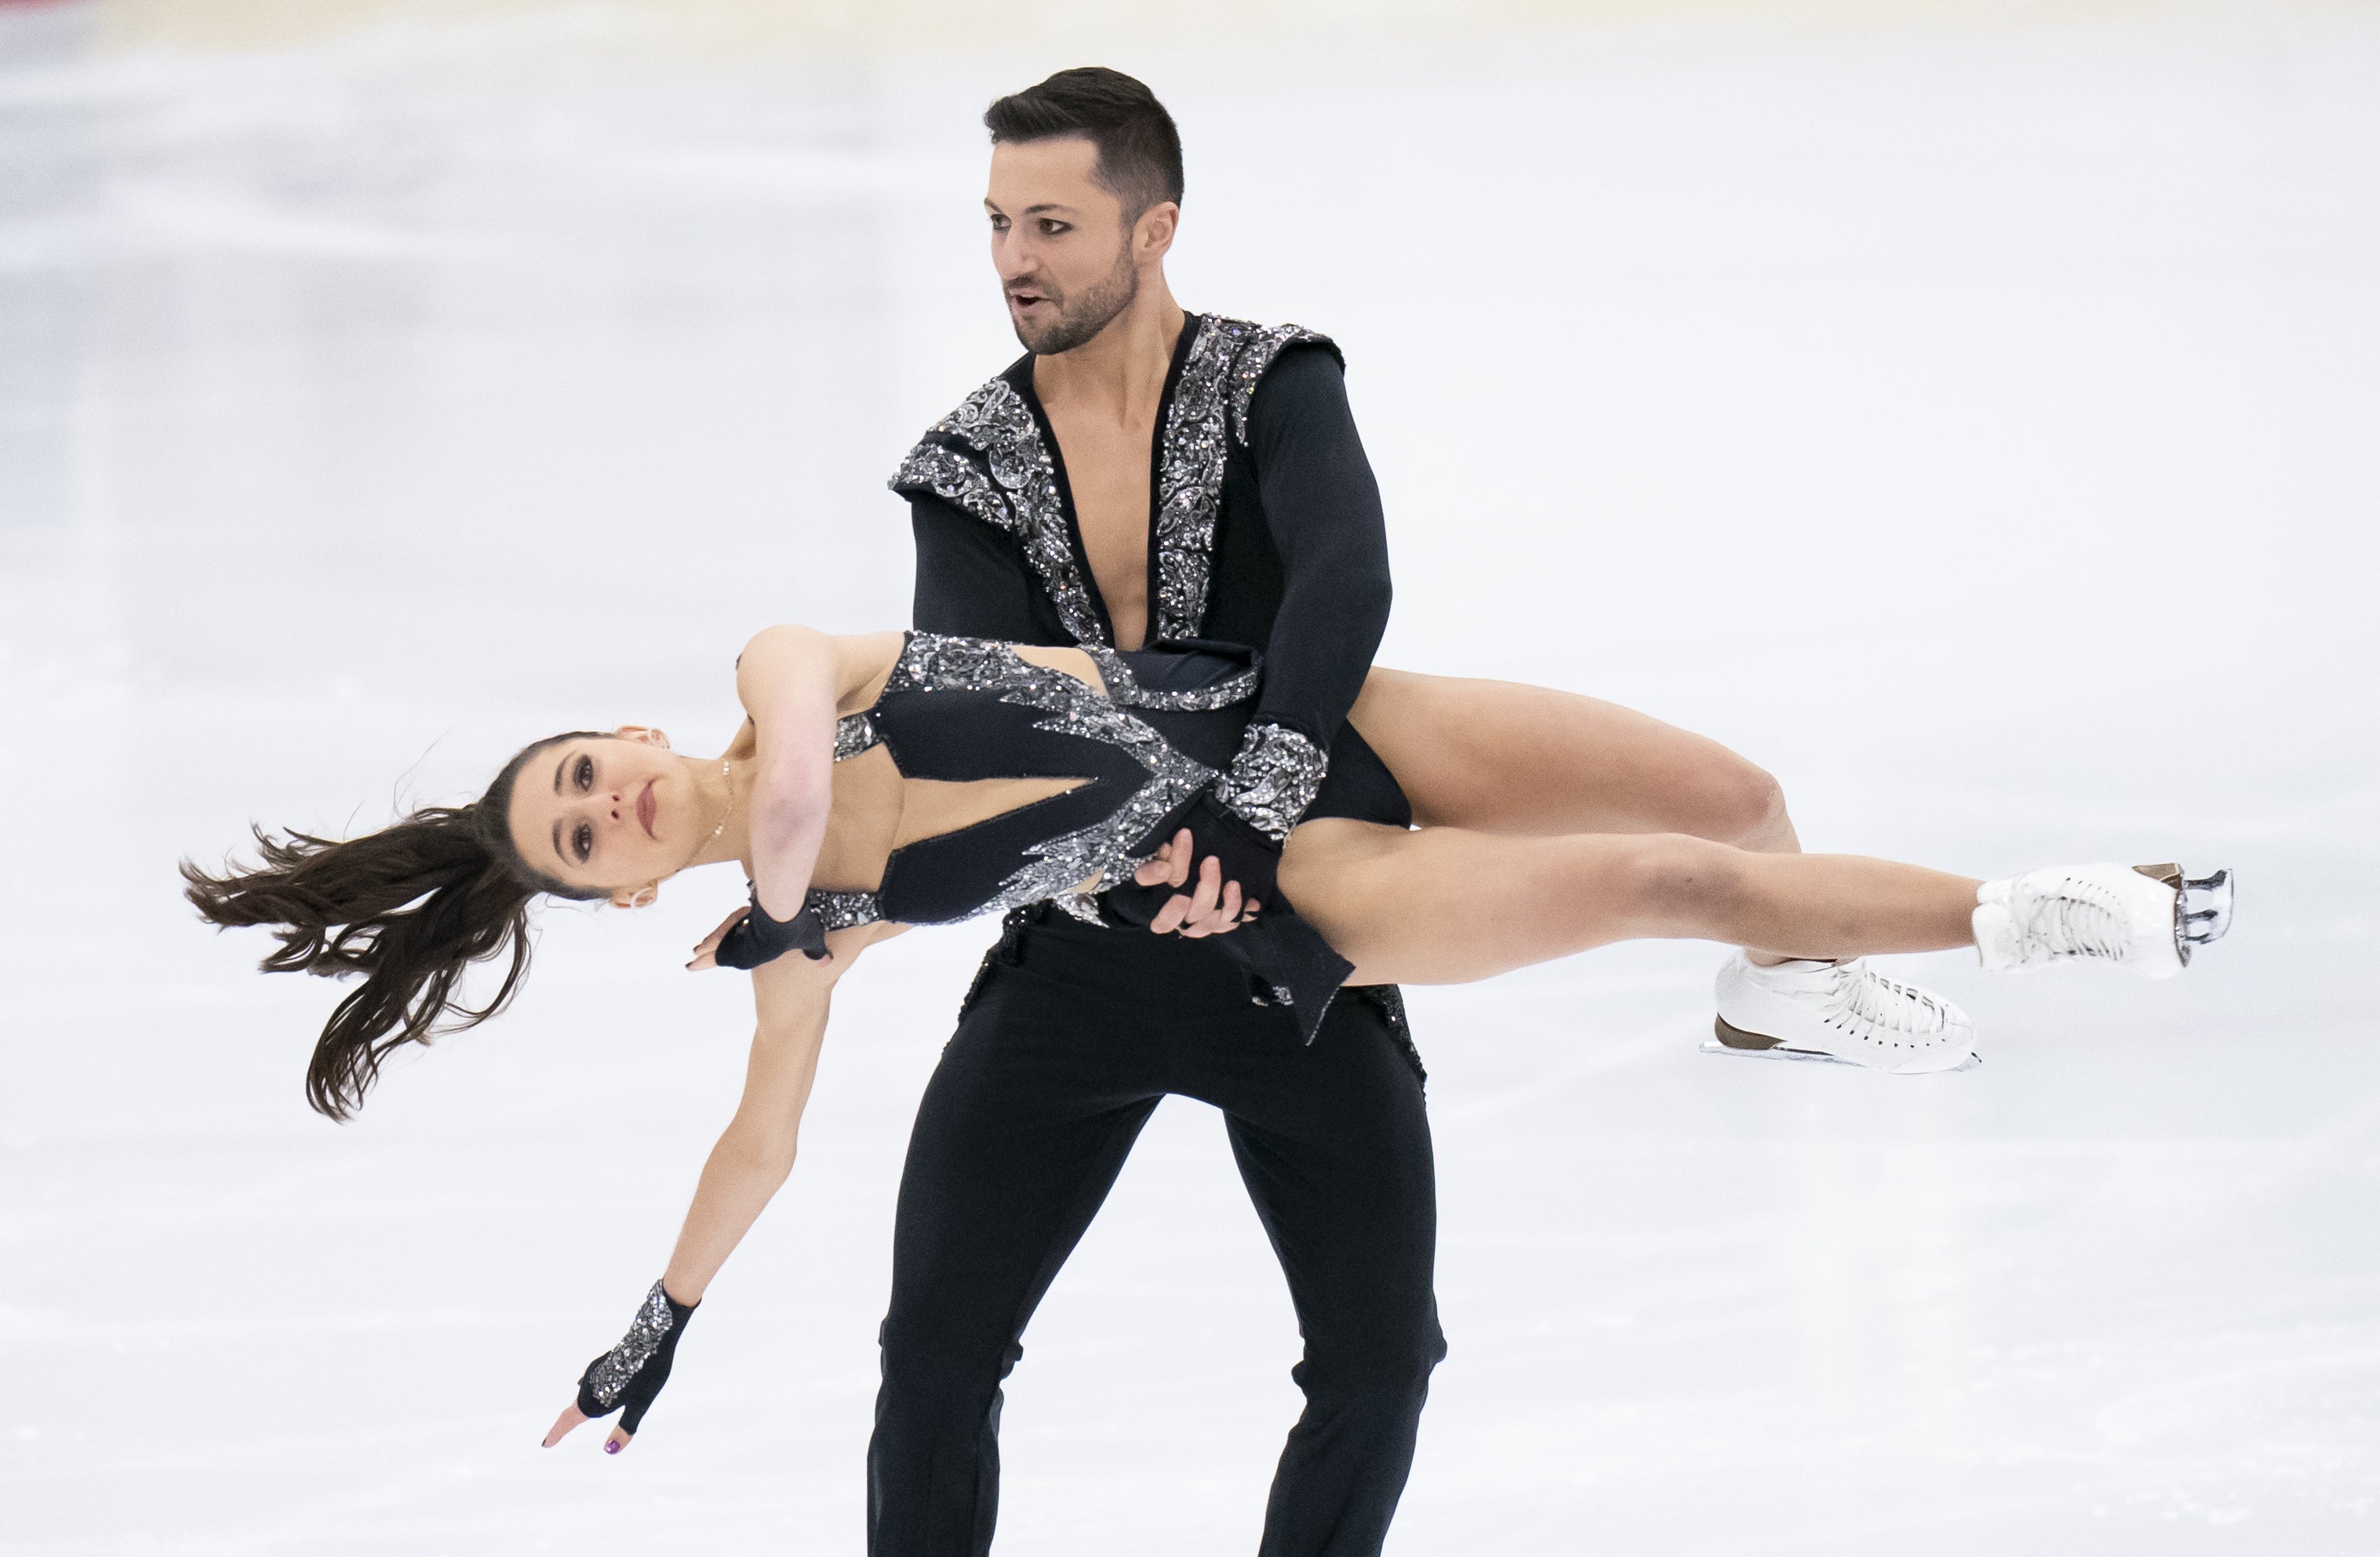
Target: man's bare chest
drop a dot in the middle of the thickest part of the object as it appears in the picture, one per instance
(1108, 466)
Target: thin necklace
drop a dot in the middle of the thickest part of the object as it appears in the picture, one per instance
(727, 771)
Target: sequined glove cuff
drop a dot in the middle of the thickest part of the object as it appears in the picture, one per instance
(633, 1372)
(759, 939)
(1273, 779)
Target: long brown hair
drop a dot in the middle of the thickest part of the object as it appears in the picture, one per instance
(410, 908)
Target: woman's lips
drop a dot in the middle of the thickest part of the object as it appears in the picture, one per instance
(645, 809)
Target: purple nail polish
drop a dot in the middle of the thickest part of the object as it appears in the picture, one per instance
(611, 1446)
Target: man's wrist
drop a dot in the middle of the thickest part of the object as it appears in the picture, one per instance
(1274, 778)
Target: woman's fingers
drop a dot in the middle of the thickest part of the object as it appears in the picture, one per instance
(571, 1417)
(1180, 853)
(569, 1422)
(706, 950)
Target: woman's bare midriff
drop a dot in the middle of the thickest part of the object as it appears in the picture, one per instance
(877, 811)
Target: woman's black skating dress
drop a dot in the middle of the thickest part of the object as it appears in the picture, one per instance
(1149, 750)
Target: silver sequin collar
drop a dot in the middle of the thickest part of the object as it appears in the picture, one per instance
(1226, 361)
(989, 459)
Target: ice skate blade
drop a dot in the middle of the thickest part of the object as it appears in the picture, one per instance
(2202, 907)
(1776, 1052)
(1726, 1039)
(1811, 1057)
(2202, 913)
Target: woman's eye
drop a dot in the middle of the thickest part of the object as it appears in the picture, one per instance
(1052, 228)
(584, 774)
(582, 841)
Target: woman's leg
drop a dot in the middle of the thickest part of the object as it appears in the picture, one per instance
(1445, 906)
(1499, 756)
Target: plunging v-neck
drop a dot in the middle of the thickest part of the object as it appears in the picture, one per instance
(1031, 394)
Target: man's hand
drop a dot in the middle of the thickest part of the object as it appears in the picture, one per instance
(1214, 907)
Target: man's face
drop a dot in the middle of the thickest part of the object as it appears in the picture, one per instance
(1060, 242)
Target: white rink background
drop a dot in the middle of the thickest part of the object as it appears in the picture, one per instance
(1969, 412)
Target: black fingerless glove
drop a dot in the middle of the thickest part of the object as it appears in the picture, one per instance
(631, 1373)
(759, 939)
(1287, 961)
(1247, 857)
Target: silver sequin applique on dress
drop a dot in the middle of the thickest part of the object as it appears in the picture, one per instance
(1101, 853)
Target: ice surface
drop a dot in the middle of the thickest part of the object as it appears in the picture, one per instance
(1972, 419)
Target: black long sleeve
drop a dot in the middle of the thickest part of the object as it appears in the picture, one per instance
(972, 580)
(1323, 507)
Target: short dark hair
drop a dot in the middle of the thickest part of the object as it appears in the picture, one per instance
(1140, 152)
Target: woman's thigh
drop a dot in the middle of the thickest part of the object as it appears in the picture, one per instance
(1446, 906)
(1501, 757)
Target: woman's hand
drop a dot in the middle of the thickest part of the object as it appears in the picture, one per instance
(751, 938)
(571, 1417)
(1215, 907)
(706, 956)
(627, 1377)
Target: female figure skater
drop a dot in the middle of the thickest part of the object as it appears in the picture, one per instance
(896, 779)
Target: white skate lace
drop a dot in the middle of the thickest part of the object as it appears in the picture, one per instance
(2077, 919)
(1885, 1004)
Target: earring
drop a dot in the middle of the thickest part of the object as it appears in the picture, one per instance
(645, 897)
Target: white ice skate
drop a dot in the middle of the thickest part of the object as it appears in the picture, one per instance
(1843, 1011)
(2145, 918)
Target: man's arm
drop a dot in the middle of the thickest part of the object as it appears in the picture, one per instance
(1324, 509)
(972, 580)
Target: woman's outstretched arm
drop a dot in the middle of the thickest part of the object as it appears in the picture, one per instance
(755, 1153)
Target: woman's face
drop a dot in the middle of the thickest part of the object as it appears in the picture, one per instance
(609, 813)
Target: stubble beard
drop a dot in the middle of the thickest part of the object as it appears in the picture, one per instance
(1081, 318)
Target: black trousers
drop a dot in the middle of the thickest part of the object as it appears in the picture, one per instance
(1070, 1038)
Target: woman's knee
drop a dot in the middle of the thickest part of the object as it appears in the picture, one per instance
(1731, 800)
(1673, 883)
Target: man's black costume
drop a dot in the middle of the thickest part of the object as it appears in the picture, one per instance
(1267, 532)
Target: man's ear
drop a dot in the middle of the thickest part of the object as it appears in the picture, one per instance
(1152, 235)
(643, 735)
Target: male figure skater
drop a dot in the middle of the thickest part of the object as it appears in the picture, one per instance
(1035, 508)
(1146, 473)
